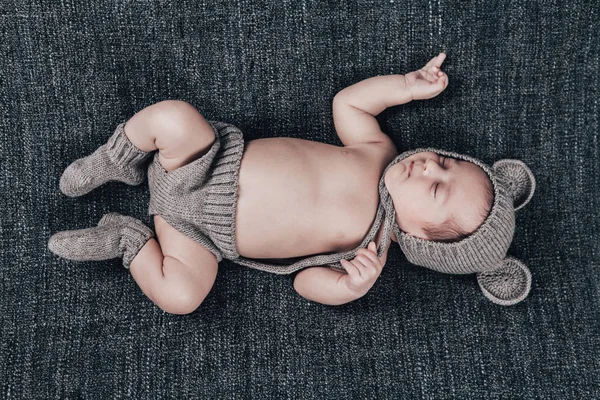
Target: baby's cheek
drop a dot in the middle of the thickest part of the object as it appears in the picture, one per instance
(416, 206)
(410, 213)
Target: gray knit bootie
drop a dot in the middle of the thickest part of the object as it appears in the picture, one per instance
(115, 236)
(118, 159)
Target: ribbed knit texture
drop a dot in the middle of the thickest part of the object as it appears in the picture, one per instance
(118, 160)
(115, 236)
(198, 199)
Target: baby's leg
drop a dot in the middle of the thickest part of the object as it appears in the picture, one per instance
(176, 274)
(175, 128)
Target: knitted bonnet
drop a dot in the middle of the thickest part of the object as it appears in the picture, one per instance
(503, 279)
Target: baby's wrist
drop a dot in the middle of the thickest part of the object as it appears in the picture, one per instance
(343, 282)
(407, 88)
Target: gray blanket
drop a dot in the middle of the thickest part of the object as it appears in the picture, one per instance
(524, 84)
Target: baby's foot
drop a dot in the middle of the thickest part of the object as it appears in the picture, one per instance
(115, 236)
(118, 159)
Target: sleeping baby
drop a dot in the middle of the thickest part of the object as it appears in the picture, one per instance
(283, 205)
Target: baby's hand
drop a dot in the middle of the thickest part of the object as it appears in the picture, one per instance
(363, 270)
(429, 81)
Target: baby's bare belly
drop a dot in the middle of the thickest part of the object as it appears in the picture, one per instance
(298, 197)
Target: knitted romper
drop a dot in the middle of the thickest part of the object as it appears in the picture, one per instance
(199, 199)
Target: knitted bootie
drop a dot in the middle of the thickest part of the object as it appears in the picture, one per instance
(115, 236)
(118, 159)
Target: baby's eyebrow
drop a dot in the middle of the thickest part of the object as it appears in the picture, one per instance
(455, 159)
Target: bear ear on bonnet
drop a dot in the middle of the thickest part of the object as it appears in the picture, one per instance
(519, 178)
(511, 281)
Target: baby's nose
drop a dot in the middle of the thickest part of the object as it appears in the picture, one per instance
(426, 169)
(430, 166)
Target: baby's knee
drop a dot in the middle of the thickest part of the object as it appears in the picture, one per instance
(184, 132)
(172, 112)
(179, 303)
(179, 298)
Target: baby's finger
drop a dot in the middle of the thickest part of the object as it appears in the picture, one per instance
(444, 80)
(361, 264)
(366, 266)
(352, 269)
(440, 59)
(369, 254)
(366, 263)
(428, 75)
(369, 267)
(437, 60)
(437, 72)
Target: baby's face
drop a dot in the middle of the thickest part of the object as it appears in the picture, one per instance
(436, 189)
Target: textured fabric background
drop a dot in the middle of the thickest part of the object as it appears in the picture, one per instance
(524, 84)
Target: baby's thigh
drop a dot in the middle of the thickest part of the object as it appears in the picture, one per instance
(200, 263)
(188, 137)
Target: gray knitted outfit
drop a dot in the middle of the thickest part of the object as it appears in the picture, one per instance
(199, 199)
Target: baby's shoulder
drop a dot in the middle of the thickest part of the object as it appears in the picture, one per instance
(375, 153)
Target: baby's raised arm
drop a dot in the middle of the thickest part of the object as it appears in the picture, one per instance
(355, 107)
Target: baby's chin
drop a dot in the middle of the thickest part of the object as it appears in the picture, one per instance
(394, 177)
